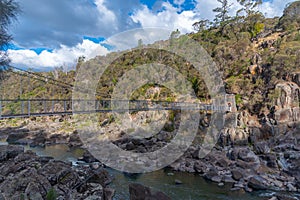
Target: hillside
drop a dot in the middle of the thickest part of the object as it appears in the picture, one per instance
(254, 54)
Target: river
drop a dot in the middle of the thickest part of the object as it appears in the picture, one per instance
(193, 186)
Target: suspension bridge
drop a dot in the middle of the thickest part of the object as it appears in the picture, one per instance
(22, 108)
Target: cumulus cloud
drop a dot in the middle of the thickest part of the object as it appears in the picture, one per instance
(107, 17)
(60, 25)
(50, 23)
(179, 2)
(62, 56)
(270, 8)
(170, 18)
(274, 8)
(129, 39)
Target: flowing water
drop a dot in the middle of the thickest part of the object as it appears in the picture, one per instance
(194, 187)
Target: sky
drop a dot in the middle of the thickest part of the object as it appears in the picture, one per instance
(54, 33)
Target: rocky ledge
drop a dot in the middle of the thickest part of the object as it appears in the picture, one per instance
(268, 164)
(41, 132)
(24, 175)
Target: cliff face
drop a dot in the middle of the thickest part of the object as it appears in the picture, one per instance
(286, 108)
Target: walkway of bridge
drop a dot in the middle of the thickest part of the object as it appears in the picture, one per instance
(20, 108)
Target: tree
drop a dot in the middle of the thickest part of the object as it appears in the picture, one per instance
(222, 12)
(80, 61)
(248, 6)
(140, 43)
(201, 25)
(8, 12)
(174, 35)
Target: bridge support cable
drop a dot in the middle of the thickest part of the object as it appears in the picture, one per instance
(50, 80)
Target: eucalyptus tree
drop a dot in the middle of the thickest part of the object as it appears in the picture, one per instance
(9, 9)
(222, 12)
(249, 7)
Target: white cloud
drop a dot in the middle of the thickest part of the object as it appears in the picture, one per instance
(204, 8)
(271, 8)
(129, 39)
(274, 8)
(50, 23)
(169, 18)
(62, 56)
(179, 2)
(107, 17)
(174, 18)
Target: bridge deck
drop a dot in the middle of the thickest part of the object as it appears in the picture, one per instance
(22, 108)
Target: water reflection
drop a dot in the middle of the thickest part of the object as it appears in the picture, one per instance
(59, 152)
(194, 187)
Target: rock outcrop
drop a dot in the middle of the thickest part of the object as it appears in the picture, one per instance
(268, 164)
(140, 192)
(287, 104)
(24, 175)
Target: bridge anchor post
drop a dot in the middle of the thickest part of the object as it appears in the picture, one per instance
(0, 108)
(28, 108)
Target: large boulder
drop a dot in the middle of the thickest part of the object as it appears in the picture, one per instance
(237, 174)
(108, 193)
(10, 151)
(29, 182)
(237, 130)
(287, 104)
(13, 137)
(257, 183)
(140, 192)
(261, 147)
(58, 172)
(88, 157)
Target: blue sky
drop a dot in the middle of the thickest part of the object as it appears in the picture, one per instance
(54, 33)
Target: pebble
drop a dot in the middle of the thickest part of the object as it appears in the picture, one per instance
(291, 188)
(216, 179)
(221, 184)
(95, 166)
(273, 198)
(178, 182)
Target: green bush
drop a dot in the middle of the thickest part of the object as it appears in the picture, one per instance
(238, 99)
(258, 27)
(51, 194)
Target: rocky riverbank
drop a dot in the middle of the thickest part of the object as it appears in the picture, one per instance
(24, 175)
(251, 156)
(260, 161)
(261, 164)
(268, 165)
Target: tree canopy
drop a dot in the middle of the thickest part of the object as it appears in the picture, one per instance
(9, 10)
(222, 12)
